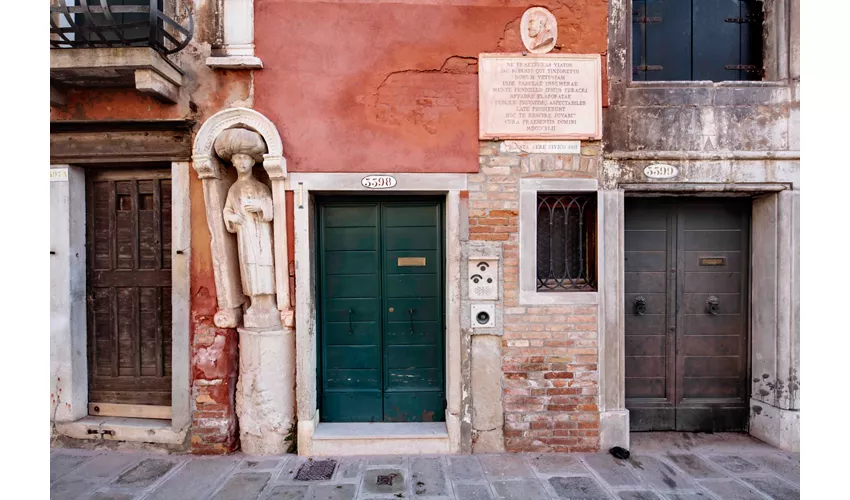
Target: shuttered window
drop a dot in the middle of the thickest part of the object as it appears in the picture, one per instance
(716, 40)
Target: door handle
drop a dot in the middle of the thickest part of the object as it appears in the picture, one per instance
(350, 329)
(411, 320)
(640, 306)
(713, 305)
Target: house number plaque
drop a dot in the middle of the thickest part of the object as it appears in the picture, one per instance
(660, 171)
(378, 181)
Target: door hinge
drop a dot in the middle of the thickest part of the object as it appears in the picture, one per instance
(749, 68)
(646, 20)
(649, 67)
(749, 18)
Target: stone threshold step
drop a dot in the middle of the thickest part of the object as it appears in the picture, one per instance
(347, 439)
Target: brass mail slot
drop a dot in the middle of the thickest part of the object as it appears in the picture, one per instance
(712, 261)
(411, 261)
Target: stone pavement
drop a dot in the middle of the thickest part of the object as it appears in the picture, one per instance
(679, 466)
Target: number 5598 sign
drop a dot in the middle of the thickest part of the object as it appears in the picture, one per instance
(378, 181)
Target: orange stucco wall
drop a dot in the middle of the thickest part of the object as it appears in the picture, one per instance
(370, 86)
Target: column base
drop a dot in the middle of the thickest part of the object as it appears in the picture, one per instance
(775, 426)
(265, 396)
(613, 429)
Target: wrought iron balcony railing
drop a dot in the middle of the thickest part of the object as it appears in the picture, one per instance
(103, 23)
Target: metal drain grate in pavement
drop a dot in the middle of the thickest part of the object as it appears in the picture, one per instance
(318, 470)
(386, 480)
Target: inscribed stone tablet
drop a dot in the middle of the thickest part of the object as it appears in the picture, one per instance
(551, 96)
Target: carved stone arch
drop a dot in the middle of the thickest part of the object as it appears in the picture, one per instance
(209, 166)
(210, 170)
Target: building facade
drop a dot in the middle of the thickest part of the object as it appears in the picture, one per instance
(423, 290)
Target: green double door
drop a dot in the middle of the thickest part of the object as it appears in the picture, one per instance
(381, 310)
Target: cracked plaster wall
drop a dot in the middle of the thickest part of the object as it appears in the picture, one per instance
(392, 87)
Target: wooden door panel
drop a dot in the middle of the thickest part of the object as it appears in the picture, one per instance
(413, 343)
(350, 313)
(381, 311)
(128, 235)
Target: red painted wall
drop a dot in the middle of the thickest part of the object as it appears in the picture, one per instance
(392, 86)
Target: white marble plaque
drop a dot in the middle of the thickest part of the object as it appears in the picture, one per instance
(660, 171)
(544, 147)
(549, 96)
(59, 174)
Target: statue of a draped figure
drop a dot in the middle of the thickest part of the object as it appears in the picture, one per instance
(248, 212)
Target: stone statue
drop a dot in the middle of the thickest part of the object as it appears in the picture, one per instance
(539, 30)
(248, 212)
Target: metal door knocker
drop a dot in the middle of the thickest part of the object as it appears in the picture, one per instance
(713, 305)
(640, 306)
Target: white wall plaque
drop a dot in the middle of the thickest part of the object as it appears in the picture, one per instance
(378, 181)
(660, 171)
(547, 96)
(59, 174)
(484, 278)
(550, 147)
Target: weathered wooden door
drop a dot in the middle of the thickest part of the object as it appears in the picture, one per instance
(686, 316)
(128, 249)
(381, 311)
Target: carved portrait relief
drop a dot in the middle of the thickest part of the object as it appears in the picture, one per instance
(539, 30)
(248, 213)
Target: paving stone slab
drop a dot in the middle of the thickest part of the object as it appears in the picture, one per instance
(392, 460)
(286, 492)
(734, 463)
(774, 488)
(103, 467)
(465, 469)
(660, 475)
(145, 473)
(245, 486)
(371, 487)
(505, 466)
(111, 495)
(613, 471)
(61, 464)
(472, 492)
(783, 467)
(525, 489)
(578, 488)
(698, 495)
(427, 477)
(334, 492)
(265, 464)
(557, 464)
(72, 489)
(695, 466)
(638, 495)
(348, 468)
(195, 480)
(729, 489)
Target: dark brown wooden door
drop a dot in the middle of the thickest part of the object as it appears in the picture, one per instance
(686, 317)
(128, 235)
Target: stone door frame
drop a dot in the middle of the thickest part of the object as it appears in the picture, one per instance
(304, 186)
(774, 299)
(68, 334)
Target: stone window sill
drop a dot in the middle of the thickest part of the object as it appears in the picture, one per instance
(234, 62)
(558, 298)
(705, 83)
(138, 430)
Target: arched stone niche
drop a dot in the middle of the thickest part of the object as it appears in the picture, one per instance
(211, 171)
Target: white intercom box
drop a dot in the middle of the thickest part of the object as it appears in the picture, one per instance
(484, 278)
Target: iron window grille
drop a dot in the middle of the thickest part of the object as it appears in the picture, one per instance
(117, 23)
(566, 242)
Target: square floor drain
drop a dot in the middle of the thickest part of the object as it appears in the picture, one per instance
(386, 480)
(317, 470)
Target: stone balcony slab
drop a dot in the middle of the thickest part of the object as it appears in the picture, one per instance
(141, 68)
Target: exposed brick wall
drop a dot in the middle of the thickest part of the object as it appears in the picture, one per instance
(549, 354)
(214, 373)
